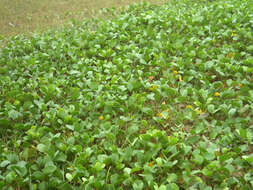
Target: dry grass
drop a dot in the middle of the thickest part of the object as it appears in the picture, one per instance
(24, 16)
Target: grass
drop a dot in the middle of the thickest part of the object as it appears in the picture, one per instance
(158, 97)
(26, 16)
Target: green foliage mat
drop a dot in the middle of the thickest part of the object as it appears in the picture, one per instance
(160, 97)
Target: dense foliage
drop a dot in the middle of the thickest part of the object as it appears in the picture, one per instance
(159, 97)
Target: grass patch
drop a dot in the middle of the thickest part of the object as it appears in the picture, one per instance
(159, 97)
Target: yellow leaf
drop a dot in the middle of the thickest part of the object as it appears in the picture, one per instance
(150, 164)
(189, 107)
(154, 86)
(180, 78)
(216, 94)
(159, 114)
(231, 55)
(234, 34)
(199, 112)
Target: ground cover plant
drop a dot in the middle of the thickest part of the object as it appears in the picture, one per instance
(159, 97)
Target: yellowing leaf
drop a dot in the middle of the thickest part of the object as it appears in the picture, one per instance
(216, 94)
(150, 78)
(231, 55)
(154, 86)
(150, 164)
(159, 114)
(199, 111)
(234, 34)
(180, 78)
(189, 107)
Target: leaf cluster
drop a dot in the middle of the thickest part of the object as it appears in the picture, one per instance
(159, 97)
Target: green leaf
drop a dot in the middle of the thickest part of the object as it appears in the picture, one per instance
(66, 186)
(172, 177)
(229, 82)
(10, 177)
(165, 114)
(37, 175)
(4, 163)
(42, 148)
(133, 129)
(20, 168)
(211, 108)
(231, 112)
(198, 159)
(99, 166)
(138, 185)
(114, 178)
(147, 110)
(13, 114)
(151, 96)
(248, 158)
(69, 177)
(130, 86)
(74, 93)
(71, 127)
(49, 169)
(162, 187)
(173, 186)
